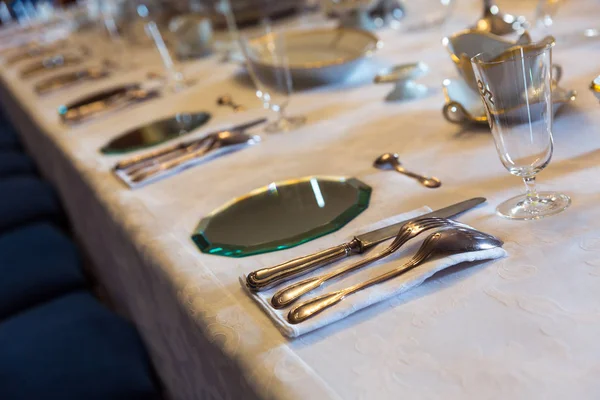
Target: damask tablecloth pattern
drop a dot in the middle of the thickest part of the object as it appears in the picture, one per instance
(523, 327)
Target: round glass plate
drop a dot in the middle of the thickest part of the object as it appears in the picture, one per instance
(282, 215)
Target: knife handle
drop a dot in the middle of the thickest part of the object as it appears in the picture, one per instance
(268, 277)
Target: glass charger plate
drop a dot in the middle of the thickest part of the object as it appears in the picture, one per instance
(281, 215)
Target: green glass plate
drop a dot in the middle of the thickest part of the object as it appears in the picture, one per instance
(281, 215)
(156, 132)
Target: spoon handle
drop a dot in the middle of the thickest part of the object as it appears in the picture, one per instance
(293, 292)
(414, 175)
(318, 304)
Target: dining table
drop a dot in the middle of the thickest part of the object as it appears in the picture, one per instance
(521, 327)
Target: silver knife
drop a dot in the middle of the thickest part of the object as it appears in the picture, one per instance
(268, 277)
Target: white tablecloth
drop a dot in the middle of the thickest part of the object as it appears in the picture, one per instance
(523, 327)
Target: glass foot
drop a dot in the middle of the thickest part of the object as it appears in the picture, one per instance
(547, 204)
(285, 124)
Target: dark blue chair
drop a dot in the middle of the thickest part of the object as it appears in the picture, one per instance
(73, 348)
(26, 199)
(9, 143)
(9, 139)
(15, 163)
(37, 263)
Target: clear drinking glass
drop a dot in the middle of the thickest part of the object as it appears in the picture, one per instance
(516, 89)
(148, 13)
(263, 45)
(112, 43)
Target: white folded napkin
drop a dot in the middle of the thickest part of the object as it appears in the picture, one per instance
(369, 296)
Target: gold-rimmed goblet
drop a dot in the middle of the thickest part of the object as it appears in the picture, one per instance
(521, 80)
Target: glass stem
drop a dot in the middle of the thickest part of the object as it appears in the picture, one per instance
(281, 114)
(531, 191)
(174, 77)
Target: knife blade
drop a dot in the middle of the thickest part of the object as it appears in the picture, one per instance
(268, 277)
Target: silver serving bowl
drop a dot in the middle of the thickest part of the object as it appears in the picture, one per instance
(314, 56)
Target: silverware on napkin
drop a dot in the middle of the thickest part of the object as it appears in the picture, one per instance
(112, 99)
(229, 140)
(31, 51)
(67, 79)
(410, 230)
(439, 244)
(49, 63)
(166, 153)
(268, 277)
(161, 163)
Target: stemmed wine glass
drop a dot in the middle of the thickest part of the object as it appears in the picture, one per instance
(516, 89)
(267, 62)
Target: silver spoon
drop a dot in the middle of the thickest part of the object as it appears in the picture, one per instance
(408, 231)
(227, 100)
(390, 161)
(444, 243)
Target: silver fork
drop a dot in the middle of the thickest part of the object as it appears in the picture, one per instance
(408, 231)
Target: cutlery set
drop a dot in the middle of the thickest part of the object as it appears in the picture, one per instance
(446, 237)
(33, 52)
(112, 99)
(50, 63)
(154, 165)
(68, 79)
(441, 243)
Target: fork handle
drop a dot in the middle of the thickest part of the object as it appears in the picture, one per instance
(318, 304)
(268, 277)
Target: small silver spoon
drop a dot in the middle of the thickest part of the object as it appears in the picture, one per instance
(390, 161)
(227, 100)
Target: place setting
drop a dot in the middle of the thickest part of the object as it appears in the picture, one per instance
(278, 60)
(509, 85)
(276, 198)
(512, 89)
(139, 170)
